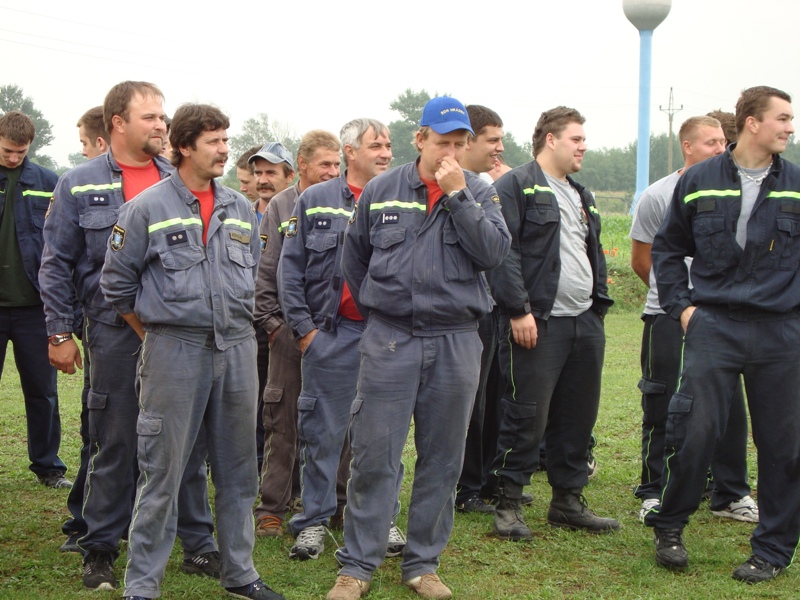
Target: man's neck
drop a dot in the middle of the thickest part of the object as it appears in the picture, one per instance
(550, 170)
(356, 179)
(750, 156)
(192, 181)
(132, 159)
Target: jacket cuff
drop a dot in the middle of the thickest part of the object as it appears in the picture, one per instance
(124, 307)
(272, 323)
(303, 328)
(678, 308)
(60, 326)
(455, 202)
(519, 311)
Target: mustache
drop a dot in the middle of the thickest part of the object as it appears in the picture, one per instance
(265, 187)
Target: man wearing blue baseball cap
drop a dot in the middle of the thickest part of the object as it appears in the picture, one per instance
(413, 250)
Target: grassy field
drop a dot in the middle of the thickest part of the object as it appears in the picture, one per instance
(556, 564)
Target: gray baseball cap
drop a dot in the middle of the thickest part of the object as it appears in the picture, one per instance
(273, 152)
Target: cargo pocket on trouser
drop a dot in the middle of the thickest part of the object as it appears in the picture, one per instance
(96, 403)
(517, 435)
(654, 401)
(272, 414)
(305, 417)
(679, 415)
(150, 444)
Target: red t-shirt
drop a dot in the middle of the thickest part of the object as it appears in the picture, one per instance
(347, 306)
(206, 208)
(434, 193)
(135, 180)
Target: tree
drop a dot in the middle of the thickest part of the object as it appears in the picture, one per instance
(13, 98)
(409, 104)
(257, 131)
(514, 154)
(75, 159)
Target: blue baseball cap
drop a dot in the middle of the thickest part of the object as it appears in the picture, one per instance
(273, 152)
(444, 114)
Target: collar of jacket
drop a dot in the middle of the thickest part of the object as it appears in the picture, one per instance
(777, 163)
(162, 164)
(222, 195)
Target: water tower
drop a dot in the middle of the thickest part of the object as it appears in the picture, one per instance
(645, 15)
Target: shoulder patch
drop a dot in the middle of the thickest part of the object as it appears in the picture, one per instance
(264, 239)
(291, 228)
(49, 206)
(117, 240)
(496, 199)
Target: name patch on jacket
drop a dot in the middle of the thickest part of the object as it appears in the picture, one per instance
(99, 200)
(240, 237)
(390, 217)
(264, 239)
(177, 237)
(322, 223)
(291, 228)
(117, 238)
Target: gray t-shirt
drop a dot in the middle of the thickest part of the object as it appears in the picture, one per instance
(750, 190)
(574, 293)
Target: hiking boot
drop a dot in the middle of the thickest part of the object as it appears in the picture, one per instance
(508, 521)
(648, 504)
(295, 506)
(526, 499)
(206, 564)
(258, 590)
(348, 588)
(744, 509)
(756, 569)
(397, 542)
(429, 586)
(55, 480)
(71, 543)
(670, 551)
(98, 571)
(568, 509)
(269, 526)
(309, 544)
(473, 504)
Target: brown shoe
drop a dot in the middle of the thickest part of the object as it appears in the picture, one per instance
(429, 586)
(269, 526)
(348, 588)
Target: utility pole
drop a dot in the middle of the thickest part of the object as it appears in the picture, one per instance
(670, 110)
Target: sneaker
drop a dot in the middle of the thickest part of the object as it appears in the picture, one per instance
(670, 551)
(397, 542)
(756, 569)
(258, 590)
(55, 480)
(206, 564)
(295, 506)
(592, 466)
(71, 543)
(648, 504)
(310, 543)
(745, 509)
(98, 571)
(429, 586)
(348, 588)
(269, 526)
(473, 504)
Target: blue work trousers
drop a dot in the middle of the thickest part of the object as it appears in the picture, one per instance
(76, 523)
(189, 388)
(720, 345)
(432, 380)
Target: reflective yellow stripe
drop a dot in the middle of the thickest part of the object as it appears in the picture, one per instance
(593, 209)
(283, 226)
(791, 195)
(538, 188)
(178, 221)
(398, 204)
(238, 223)
(711, 193)
(329, 209)
(96, 187)
(36, 193)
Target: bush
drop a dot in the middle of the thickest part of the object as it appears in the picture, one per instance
(624, 286)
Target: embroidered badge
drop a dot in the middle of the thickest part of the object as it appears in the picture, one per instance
(353, 216)
(49, 206)
(390, 217)
(291, 228)
(240, 237)
(264, 239)
(117, 240)
(177, 237)
(496, 199)
(322, 223)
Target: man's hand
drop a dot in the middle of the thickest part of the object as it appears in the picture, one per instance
(450, 176)
(305, 341)
(65, 357)
(686, 316)
(524, 331)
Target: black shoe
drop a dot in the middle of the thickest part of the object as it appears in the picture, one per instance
(526, 499)
(55, 480)
(257, 590)
(756, 569)
(508, 521)
(568, 509)
(670, 551)
(71, 543)
(206, 564)
(98, 571)
(473, 504)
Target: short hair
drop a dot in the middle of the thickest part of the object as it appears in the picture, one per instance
(754, 101)
(727, 121)
(481, 117)
(243, 161)
(92, 123)
(118, 99)
(554, 121)
(315, 139)
(352, 133)
(690, 126)
(17, 127)
(189, 123)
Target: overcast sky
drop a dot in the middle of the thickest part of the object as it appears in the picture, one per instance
(313, 64)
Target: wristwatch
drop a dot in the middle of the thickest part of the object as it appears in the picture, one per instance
(59, 338)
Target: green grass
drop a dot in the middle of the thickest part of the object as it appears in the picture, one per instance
(556, 564)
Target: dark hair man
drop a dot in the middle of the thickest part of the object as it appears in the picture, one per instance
(412, 253)
(85, 208)
(728, 122)
(180, 269)
(247, 180)
(737, 215)
(92, 133)
(26, 190)
(552, 293)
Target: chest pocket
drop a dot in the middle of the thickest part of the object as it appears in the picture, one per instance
(321, 256)
(241, 271)
(538, 229)
(714, 242)
(39, 206)
(182, 281)
(457, 265)
(96, 225)
(788, 244)
(386, 243)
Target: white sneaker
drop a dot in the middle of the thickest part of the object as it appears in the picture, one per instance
(397, 542)
(745, 509)
(648, 504)
(309, 544)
